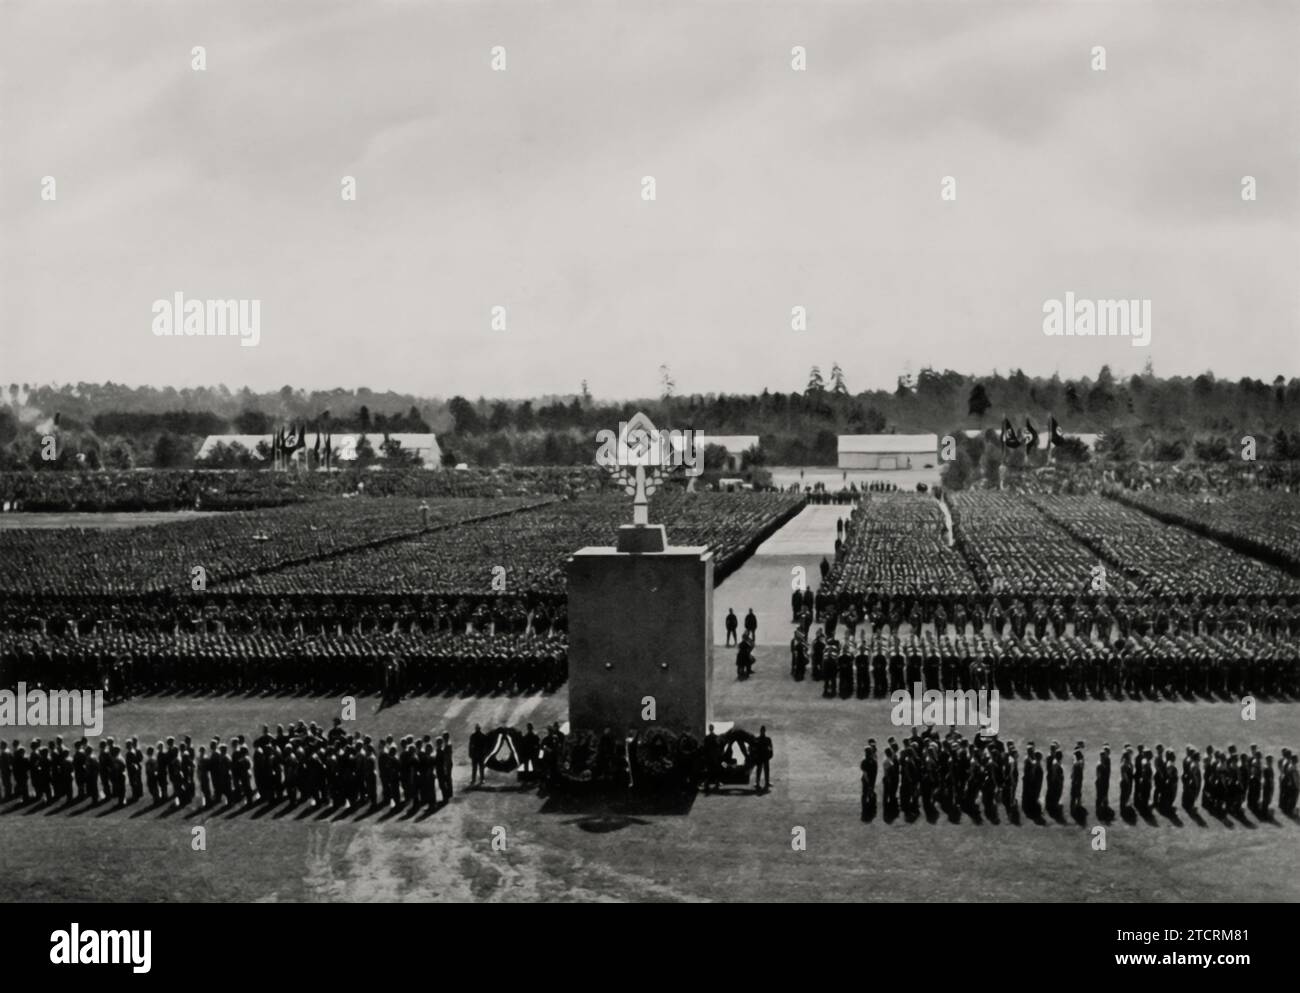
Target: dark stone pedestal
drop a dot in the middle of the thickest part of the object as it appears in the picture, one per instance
(640, 625)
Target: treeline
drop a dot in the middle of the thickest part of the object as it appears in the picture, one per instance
(242, 410)
(1143, 416)
(984, 461)
(172, 439)
(173, 421)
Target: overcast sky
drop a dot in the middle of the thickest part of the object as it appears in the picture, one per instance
(522, 188)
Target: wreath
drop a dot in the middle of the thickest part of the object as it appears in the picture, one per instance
(505, 750)
(743, 740)
(655, 756)
(658, 759)
(577, 758)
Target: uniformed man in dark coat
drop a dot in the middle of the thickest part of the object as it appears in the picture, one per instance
(1143, 776)
(135, 768)
(712, 761)
(426, 761)
(798, 656)
(1076, 784)
(222, 778)
(117, 775)
(105, 769)
(531, 747)
(1169, 789)
(1033, 782)
(478, 744)
(388, 774)
(1126, 775)
(408, 762)
(445, 767)
(890, 780)
(868, 767)
(22, 772)
(763, 761)
(988, 785)
(243, 773)
(1010, 777)
(1266, 789)
(205, 777)
(1101, 780)
(79, 768)
(92, 776)
(369, 775)
(862, 666)
(1055, 784)
(1191, 778)
(745, 658)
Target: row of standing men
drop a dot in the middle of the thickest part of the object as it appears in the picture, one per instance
(927, 771)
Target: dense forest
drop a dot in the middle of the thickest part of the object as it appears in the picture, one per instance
(1142, 417)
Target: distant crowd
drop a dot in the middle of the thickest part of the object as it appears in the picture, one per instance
(68, 490)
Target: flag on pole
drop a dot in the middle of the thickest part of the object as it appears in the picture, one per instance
(1031, 436)
(1054, 435)
(301, 446)
(1010, 439)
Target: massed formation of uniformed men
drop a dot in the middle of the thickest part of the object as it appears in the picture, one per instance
(1068, 666)
(928, 771)
(301, 763)
(130, 663)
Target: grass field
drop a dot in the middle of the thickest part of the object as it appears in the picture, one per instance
(733, 846)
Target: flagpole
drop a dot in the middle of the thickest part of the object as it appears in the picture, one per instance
(1002, 465)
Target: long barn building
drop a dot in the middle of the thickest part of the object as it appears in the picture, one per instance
(888, 451)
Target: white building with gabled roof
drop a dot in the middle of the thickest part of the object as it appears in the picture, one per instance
(888, 451)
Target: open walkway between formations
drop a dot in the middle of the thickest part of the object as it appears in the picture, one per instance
(765, 581)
